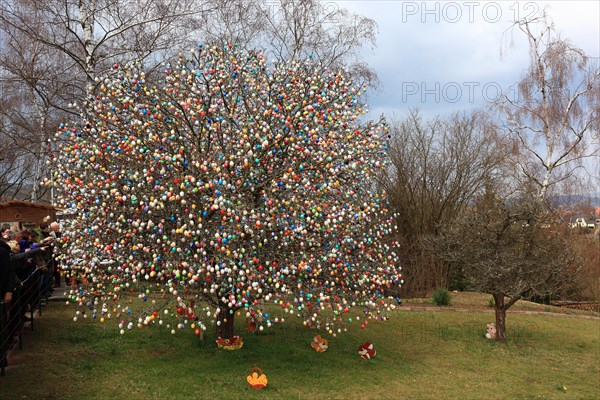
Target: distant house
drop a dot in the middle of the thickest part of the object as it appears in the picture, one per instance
(25, 215)
(581, 222)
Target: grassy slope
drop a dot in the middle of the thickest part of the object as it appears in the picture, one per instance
(421, 355)
(482, 301)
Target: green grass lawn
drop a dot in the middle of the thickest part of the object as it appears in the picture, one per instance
(421, 355)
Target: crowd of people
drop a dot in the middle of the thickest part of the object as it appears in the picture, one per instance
(24, 253)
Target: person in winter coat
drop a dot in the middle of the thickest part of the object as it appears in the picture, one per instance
(8, 279)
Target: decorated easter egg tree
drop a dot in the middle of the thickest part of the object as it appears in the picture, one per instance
(233, 185)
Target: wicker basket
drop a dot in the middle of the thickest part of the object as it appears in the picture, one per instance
(257, 379)
(235, 343)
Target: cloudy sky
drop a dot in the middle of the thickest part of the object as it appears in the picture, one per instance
(445, 56)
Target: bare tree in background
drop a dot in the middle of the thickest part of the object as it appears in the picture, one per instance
(52, 56)
(438, 167)
(34, 82)
(554, 119)
(294, 30)
(14, 162)
(95, 34)
(240, 22)
(301, 28)
(508, 248)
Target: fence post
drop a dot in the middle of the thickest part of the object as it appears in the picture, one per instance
(40, 288)
(46, 285)
(3, 335)
(20, 313)
(32, 295)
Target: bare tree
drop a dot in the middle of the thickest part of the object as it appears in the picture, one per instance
(554, 118)
(14, 164)
(437, 168)
(508, 248)
(53, 54)
(96, 34)
(33, 86)
(295, 30)
(239, 22)
(332, 35)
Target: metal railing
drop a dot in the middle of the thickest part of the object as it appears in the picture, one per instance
(27, 298)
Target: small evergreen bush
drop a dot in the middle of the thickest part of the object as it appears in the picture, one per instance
(441, 297)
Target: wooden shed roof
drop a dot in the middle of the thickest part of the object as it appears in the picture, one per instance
(13, 203)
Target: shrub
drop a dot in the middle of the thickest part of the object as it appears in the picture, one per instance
(441, 297)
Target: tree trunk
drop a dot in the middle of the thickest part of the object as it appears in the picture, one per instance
(225, 322)
(88, 25)
(500, 317)
(40, 161)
